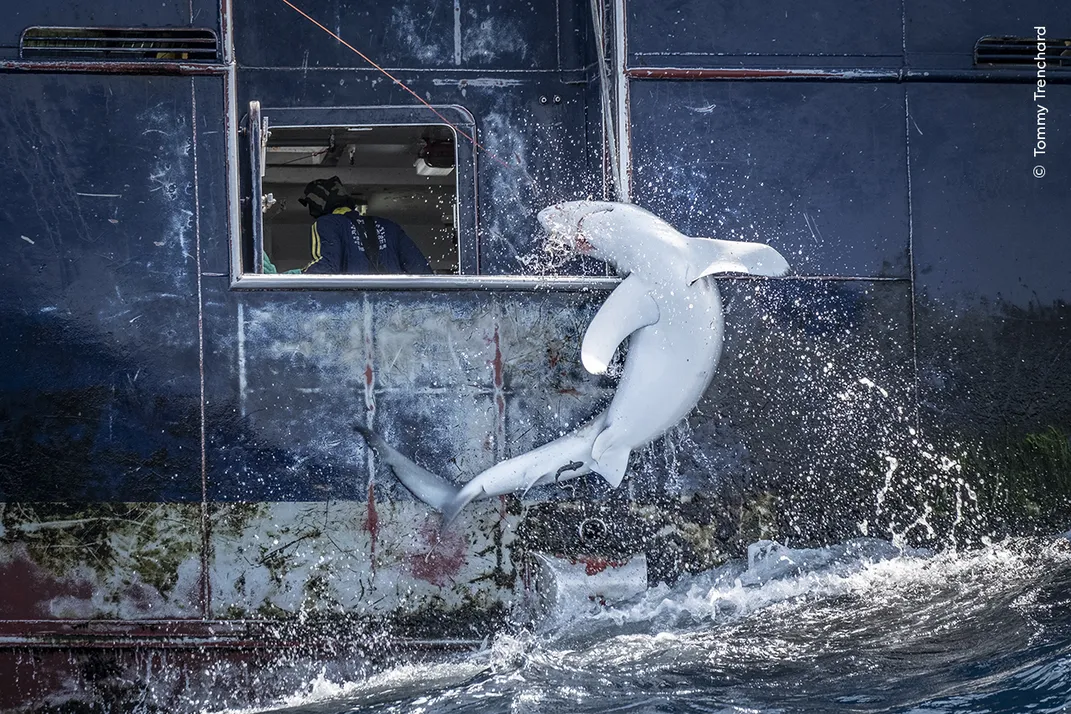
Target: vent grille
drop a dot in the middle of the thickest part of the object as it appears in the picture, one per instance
(1021, 52)
(132, 44)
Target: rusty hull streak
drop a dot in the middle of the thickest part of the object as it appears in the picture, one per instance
(91, 67)
(498, 380)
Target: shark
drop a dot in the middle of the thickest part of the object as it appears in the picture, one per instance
(669, 310)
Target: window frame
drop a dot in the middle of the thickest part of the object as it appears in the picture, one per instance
(246, 217)
(251, 225)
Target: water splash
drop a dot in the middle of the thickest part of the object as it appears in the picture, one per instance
(863, 625)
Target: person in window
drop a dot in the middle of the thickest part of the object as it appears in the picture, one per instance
(345, 242)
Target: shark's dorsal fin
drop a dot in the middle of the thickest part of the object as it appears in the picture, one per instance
(628, 308)
(708, 256)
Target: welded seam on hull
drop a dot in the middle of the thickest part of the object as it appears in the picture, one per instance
(457, 32)
(205, 585)
(498, 383)
(911, 259)
(422, 71)
(715, 73)
(243, 381)
(807, 74)
(369, 381)
(912, 315)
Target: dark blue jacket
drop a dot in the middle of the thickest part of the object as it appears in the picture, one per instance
(338, 248)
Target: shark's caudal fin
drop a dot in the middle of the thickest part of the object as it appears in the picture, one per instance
(431, 489)
(564, 458)
(710, 255)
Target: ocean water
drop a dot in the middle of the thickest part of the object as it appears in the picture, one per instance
(861, 626)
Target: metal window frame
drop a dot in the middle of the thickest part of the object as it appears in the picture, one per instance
(467, 211)
(355, 117)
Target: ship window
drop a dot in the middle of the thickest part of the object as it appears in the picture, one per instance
(390, 164)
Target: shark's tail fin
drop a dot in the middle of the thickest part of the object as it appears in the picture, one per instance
(433, 490)
(564, 458)
(464, 497)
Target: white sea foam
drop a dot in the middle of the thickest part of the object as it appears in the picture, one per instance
(405, 679)
(782, 605)
(870, 570)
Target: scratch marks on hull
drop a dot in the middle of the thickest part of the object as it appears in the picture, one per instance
(243, 382)
(498, 382)
(368, 339)
(457, 32)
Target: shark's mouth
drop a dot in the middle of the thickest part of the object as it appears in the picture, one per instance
(572, 241)
(557, 249)
(559, 241)
(560, 246)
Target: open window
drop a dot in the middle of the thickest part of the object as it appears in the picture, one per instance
(393, 164)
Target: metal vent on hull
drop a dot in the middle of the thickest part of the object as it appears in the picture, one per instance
(134, 44)
(1022, 52)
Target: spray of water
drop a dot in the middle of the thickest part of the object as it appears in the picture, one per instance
(863, 623)
(549, 255)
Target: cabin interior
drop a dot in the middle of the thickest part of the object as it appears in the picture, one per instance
(403, 173)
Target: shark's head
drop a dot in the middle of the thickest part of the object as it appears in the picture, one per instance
(600, 229)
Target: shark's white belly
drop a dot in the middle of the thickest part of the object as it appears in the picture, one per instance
(671, 313)
(668, 367)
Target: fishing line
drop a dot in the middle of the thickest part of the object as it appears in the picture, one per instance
(397, 81)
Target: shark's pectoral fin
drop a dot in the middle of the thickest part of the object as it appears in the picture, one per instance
(709, 256)
(628, 308)
(431, 489)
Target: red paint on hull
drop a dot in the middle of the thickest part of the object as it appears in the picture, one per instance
(441, 563)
